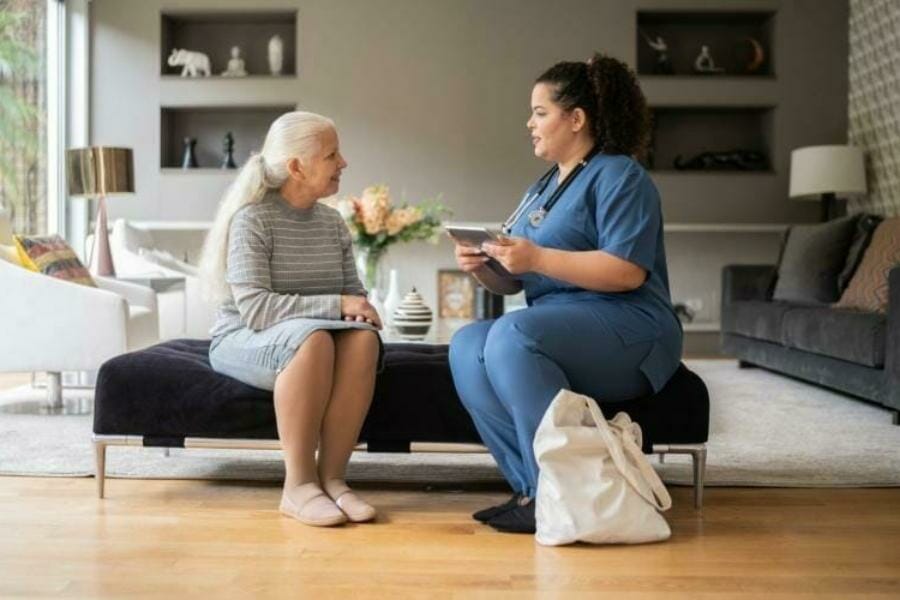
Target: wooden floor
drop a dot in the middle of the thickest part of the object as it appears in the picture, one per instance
(186, 539)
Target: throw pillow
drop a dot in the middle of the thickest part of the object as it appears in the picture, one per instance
(868, 290)
(52, 256)
(865, 227)
(812, 258)
(10, 254)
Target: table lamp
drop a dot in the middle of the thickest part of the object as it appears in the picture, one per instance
(96, 172)
(823, 172)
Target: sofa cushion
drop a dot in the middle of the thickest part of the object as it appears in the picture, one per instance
(854, 336)
(868, 290)
(865, 227)
(812, 258)
(758, 319)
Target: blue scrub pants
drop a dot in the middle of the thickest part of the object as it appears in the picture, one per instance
(508, 370)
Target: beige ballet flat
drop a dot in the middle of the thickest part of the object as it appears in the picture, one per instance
(290, 509)
(362, 513)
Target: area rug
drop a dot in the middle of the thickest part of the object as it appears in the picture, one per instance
(765, 430)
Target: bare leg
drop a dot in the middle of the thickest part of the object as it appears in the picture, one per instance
(302, 390)
(356, 357)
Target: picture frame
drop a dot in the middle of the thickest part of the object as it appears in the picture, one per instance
(456, 294)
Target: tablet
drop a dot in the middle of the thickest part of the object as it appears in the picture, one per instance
(475, 237)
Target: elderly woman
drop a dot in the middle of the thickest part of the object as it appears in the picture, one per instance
(293, 316)
(586, 244)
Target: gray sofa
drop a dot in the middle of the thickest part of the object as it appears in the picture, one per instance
(850, 351)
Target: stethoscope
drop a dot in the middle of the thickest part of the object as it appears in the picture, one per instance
(537, 216)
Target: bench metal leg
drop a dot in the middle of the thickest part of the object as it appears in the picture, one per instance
(100, 473)
(698, 464)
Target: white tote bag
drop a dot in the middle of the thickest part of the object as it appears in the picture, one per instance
(595, 484)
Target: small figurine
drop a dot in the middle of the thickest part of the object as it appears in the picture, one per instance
(663, 64)
(192, 63)
(235, 64)
(704, 62)
(228, 147)
(189, 158)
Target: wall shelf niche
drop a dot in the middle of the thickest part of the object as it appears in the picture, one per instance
(735, 40)
(214, 33)
(681, 133)
(248, 125)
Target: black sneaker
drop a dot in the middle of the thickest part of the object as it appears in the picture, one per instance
(519, 519)
(487, 514)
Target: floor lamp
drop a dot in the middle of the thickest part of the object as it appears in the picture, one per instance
(96, 172)
(825, 172)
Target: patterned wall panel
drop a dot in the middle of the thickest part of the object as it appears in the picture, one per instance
(874, 100)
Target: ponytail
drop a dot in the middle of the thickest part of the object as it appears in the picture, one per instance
(607, 90)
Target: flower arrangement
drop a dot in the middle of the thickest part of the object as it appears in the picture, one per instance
(376, 224)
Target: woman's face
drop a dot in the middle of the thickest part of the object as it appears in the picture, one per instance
(323, 172)
(553, 130)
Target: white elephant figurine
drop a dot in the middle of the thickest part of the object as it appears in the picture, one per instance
(193, 63)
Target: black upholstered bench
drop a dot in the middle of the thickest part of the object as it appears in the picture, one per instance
(169, 396)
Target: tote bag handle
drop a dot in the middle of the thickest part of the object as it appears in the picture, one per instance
(660, 497)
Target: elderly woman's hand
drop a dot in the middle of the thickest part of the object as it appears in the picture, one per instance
(357, 308)
(517, 255)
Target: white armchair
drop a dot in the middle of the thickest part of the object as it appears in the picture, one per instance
(53, 325)
(181, 313)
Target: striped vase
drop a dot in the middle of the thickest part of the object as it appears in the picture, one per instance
(412, 319)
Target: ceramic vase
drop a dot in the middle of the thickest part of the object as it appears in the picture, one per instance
(393, 298)
(276, 55)
(413, 318)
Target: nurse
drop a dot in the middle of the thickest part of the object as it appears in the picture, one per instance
(586, 245)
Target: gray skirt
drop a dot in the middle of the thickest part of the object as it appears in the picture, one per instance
(257, 357)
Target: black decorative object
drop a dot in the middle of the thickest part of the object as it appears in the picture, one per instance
(228, 148)
(487, 304)
(663, 65)
(731, 160)
(189, 158)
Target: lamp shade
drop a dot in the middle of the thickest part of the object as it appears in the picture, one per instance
(99, 171)
(817, 170)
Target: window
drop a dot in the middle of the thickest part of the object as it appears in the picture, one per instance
(23, 114)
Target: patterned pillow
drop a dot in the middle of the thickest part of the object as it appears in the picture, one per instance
(10, 254)
(868, 290)
(52, 256)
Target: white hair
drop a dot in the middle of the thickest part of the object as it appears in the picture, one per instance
(292, 135)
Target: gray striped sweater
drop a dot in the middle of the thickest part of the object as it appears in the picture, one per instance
(285, 263)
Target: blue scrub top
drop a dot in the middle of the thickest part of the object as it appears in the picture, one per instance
(612, 205)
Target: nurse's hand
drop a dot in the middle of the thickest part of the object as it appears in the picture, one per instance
(468, 258)
(516, 254)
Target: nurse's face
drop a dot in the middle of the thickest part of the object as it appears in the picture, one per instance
(553, 130)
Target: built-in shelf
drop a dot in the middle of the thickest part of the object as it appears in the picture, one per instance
(208, 171)
(172, 225)
(681, 134)
(187, 92)
(723, 91)
(725, 227)
(215, 32)
(739, 41)
(209, 125)
(701, 327)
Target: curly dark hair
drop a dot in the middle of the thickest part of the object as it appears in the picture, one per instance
(606, 89)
